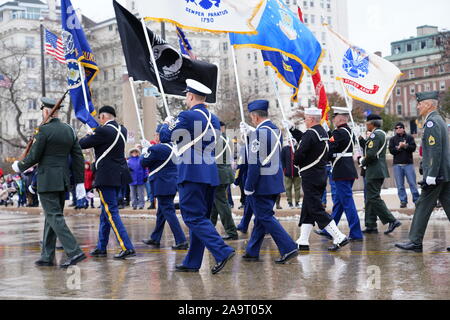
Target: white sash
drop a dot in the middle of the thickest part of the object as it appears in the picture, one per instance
(227, 146)
(325, 150)
(344, 153)
(172, 149)
(119, 134)
(277, 145)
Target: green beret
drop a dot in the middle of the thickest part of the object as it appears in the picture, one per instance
(432, 95)
(48, 103)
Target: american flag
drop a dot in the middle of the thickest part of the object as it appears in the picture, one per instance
(54, 46)
(4, 82)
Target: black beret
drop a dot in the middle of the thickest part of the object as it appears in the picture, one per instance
(432, 95)
(48, 103)
(374, 117)
(107, 109)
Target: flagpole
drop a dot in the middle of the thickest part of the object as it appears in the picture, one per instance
(152, 55)
(131, 80)
(83, 85)
(272, 76)
(41, 19)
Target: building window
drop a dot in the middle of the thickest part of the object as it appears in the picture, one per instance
(427, 87)
(267, 88)
(306, 18)
(332, 71)
(409, 47)
(426, 72)
(311, 4)
(32, 104)
(29, 42)
(411, 74)
(441, 68)
(204, 44)
(412, 90)
(423, 45)
(325, 70)
(399, 109)
(313, 19)
(255, 56)
(249, 56)
(31, 63)
(105, 56)
(442, 85)
(398, 92)
(256, 89)
(32, 124)
(110, 28)
(225, 63)
(256, 73)
(225, 46)
(249, 73)
(105, 75)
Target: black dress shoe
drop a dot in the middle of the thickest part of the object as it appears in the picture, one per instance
(355, 239)
(73, 261)
(410, 246)
(98, 253)
(370, 230)
(448, 248)
(125, 254)
(392, 226)
(242, 231)
(323, 234)
(336, 247)
(248, 257)
(181, 246)
(403, 205)
(219, 266)
(228, 237)
(303, 248)
(41, 263)
(151, 242)
(181, 268)
(288, 256)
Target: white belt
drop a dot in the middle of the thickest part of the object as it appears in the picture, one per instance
(343, 155)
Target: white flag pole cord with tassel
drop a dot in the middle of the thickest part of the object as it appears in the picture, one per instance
(152, 55)
(138, 115)
(280, 103)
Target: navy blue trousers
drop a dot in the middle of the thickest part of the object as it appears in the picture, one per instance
(196, 201)
(265, 222)
(166, 212)
(246, 218)
(110, 219)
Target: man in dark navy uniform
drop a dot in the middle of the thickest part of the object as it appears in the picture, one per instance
(163, 180)
(311, 157)
(111, 172)
(197, 131)
(241, 178)
(344, 174)
(264, 183)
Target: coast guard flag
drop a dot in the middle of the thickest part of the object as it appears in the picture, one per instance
(241, 16)
(174, 68)
(289, 71)
(77, 50)
(366, 76)
(281, 30)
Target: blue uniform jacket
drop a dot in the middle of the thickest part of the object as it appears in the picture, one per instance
(164, 182)
(268, 179)
(198, 163)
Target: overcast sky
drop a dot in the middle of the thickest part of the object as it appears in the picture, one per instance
(373, 24)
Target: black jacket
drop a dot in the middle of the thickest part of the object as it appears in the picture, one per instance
(287, 160)
(344, 167)
(309, 150)
(404, 155)
(112, 170)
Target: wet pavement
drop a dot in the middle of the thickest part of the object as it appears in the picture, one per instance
(373, 269)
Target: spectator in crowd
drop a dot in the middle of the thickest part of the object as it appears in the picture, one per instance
(1, 173)
(137, 186)
(89, 183)
(148, 187)
(291, 176)
(402, 146)
(19, 185)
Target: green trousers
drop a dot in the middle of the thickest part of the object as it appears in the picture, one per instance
(375, 206)
(56, 227)
(222, 208)
(424, 208)
(290, 182)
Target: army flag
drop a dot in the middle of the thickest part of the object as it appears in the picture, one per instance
(80, 63)
(366, 77)
(281, 30)
(173, 67)
(205, 15)
(289, 71)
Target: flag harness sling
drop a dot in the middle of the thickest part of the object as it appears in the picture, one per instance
(325, 150)
(119, 134)
(172, 149)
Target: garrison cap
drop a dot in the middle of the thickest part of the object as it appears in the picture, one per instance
(374, 117)
(431, 95)
(107, 109)
(48, 103)
(197, 88)
(258, 105)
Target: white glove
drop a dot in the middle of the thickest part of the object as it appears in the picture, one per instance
(325, 126)
(361, 161)
(431, 181)
(80, 191)
(287, 124)
(15, 166)
(248, 193)
(31, 190)
(169, 120)
(357, 131)
(145, 144)
(245, 128)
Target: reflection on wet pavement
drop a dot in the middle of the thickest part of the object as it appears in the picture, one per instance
(373, 269)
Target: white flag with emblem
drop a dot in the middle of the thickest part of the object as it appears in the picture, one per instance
(205, 15)
(366, 77)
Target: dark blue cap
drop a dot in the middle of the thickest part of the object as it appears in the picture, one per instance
(258, 105)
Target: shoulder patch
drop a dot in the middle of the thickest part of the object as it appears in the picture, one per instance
(430, 124)
(370, 145)
(255, 146)
(431, 141)
(148, 154)
(372, 136)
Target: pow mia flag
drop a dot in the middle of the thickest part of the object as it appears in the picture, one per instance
(173, 67)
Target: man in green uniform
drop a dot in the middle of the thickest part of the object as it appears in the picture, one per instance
(376, 171)
(221, 206)
(436, 170)
(53, 145)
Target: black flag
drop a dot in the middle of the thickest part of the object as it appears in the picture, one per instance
(173, 67)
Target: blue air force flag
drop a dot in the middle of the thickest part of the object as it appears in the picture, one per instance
(78, 53)
(281, 30)
(205, 15)
(289, 71)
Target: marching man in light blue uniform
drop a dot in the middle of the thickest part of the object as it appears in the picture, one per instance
(264, 183)
(163, 179)
(196, 131)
